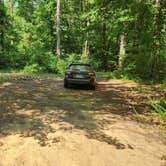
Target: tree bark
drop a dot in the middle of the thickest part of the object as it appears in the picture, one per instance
(137, 27)
(58, 51)
(104, 46)
(85, 6)
(122, 50)
(11, 7)
(2, 25)
(86, 44)
(11, 13)
(157, 42)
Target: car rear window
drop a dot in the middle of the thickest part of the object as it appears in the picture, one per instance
(81, 67)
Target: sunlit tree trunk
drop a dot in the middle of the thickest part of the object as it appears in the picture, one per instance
(86, 8)
(86, 49)
(11, 13)
(86, 44)
(122, 50)
(11, 7)
(58, 51)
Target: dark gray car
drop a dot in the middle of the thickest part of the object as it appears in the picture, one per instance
(80, 73)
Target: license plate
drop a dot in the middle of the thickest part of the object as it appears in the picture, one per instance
(79, 76)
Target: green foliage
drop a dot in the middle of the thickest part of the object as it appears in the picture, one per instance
(160, 108)
(51, 64)
(63, 63)
(90, 32)
(115, 74)
(61, 66)
(164, 84)
(32, 69)
(4, 78)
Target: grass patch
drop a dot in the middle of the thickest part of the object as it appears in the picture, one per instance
(49, 75)
(117, 75)
(104, 74)
(9, 71)
(163, 85)
(139, 89)
(4, 78)
(160, 108)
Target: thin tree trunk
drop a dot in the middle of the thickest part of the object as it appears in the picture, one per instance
(86, 44)
(11, 7)
(86, 48)
(58, 51)
(157, 43)
(104, 51)
(122, 50)
(136, 34)
(2, 26)
(11, 13)
(104, 45)
(137, 27)
(86, 8)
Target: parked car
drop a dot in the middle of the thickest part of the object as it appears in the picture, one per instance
(80, 73)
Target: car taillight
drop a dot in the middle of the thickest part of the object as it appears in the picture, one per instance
(91, 74)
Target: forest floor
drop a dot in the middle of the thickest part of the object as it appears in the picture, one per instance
(43, 124)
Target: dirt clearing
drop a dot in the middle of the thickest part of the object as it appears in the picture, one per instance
(43, 124)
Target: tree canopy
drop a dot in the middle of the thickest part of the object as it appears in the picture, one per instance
(124, 35)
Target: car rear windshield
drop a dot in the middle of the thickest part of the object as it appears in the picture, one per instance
(81, 67)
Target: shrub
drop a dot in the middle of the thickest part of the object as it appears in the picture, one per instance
(32, 69)
(63, 63)
(164, 83)
(50, 63)
(61, 66)
(117, 74)
(160, 108)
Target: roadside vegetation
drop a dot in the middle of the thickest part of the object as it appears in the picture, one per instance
(124, 41)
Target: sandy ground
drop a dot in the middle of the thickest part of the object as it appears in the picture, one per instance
(43, 124)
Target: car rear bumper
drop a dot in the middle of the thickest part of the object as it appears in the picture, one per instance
(91, 81)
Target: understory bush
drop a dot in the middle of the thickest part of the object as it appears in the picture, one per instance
(160, 108)
(32, 69)
(63, 62)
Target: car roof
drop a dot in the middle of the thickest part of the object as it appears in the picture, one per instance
(79, 63)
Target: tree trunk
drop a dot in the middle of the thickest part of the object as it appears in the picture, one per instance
(104, 46)
(86, 49)
(11, 7)
(58, 51)
(85, 6)
(137, 27)
(122, 50)
(157, 43)
(86, 45)
(11, 13)
(2, 26)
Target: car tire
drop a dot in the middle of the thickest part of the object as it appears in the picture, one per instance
(66, 85)
(93, 87)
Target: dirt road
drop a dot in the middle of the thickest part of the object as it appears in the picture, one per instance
(43, 124)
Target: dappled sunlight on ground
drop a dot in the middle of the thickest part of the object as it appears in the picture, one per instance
(41, 110)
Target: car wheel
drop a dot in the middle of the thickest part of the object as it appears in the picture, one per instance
(66, 85)
(93, 87)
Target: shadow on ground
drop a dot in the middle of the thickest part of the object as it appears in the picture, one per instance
(30, 106)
